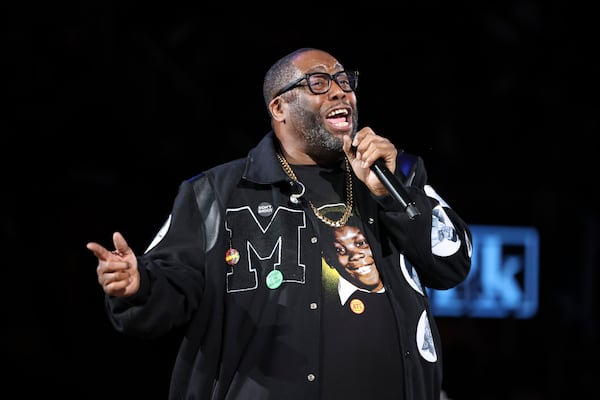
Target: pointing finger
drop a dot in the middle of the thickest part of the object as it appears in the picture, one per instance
(99, 251)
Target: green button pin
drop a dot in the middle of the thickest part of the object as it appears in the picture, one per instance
(274, 279)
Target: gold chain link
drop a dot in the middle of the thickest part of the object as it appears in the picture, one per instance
(349, 198)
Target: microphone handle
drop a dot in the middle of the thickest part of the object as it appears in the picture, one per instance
(395, 187)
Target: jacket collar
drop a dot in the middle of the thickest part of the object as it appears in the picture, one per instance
(262, 165)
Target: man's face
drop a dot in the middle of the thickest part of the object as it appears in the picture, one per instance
(322, 119)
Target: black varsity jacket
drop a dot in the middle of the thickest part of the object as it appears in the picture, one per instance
(244, 339)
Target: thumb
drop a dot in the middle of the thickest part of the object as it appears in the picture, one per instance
(121, 246)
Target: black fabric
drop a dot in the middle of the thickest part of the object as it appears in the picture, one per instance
(367, 341)
(323, 184)
(362, 331)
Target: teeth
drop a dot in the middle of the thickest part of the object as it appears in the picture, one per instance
(364, 270)
(337, 112)
(341, 124)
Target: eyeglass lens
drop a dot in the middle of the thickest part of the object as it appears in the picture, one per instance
(320, 83)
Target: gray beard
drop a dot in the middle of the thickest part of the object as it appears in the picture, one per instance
(322, 146)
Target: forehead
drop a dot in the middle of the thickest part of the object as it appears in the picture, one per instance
(317, 60)
(347, 232)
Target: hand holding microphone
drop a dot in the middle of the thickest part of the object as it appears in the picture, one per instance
(395, 187)
(366, 144)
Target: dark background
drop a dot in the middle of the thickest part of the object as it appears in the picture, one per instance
(108, 106)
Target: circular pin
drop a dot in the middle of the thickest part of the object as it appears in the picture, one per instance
(274, 279)
(357, 306)
(265, 209)
(232, 256)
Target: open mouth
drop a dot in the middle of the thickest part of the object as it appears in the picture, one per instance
(339, 118)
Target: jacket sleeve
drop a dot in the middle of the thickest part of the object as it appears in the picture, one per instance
(437, 241)
(172, 271)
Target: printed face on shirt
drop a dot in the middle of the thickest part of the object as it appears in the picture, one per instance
(355, 258)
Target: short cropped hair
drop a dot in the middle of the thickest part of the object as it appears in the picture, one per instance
(281, 73)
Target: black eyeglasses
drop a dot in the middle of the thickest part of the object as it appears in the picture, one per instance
(320, 82)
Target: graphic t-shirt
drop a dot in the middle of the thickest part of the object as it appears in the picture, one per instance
(361, 356)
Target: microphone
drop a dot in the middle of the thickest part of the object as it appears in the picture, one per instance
(395, 187)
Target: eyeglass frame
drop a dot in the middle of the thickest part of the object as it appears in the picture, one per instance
(332, 77)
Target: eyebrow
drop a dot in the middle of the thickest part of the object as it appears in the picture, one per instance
(337, 66)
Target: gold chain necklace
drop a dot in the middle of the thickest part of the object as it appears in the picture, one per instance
(349, 200)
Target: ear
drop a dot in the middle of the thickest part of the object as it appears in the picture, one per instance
(277, 109)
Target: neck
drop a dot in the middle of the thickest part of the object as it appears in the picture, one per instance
(298, 157)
